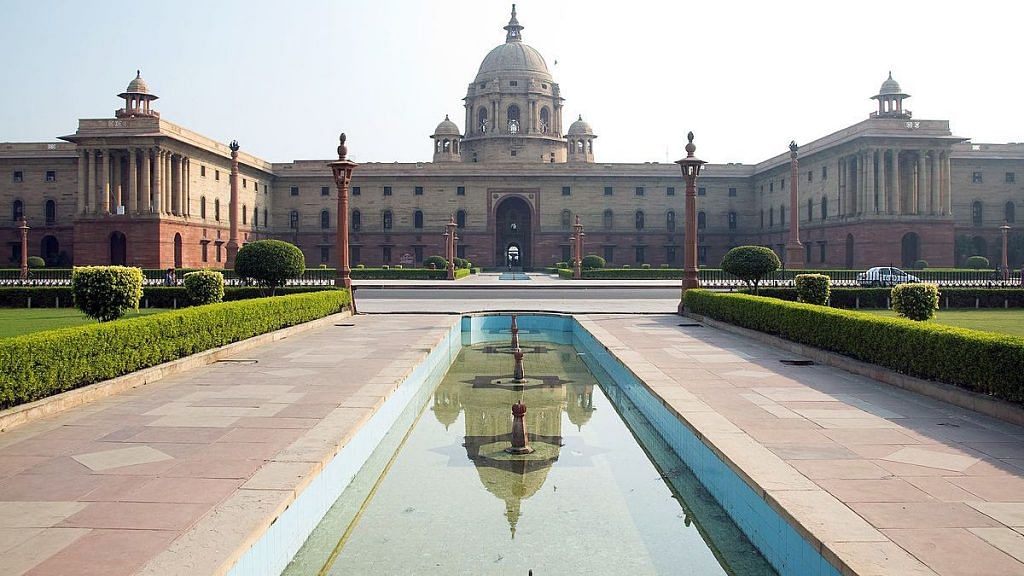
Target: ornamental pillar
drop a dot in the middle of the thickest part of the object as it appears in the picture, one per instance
(82, 161)
(133, 181)
(105, 181)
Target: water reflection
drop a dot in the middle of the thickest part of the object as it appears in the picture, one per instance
(556, 381)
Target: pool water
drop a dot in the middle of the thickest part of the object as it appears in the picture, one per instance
(445, 498)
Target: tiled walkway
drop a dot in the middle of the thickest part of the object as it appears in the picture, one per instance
(141, 477)
(891, 482)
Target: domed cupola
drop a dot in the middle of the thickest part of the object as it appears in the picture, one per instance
(513, 106)
(580, 141)
(136, 99)
(890, 100)
(447, 141)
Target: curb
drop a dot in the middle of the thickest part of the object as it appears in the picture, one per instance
(25, 413)
(948, 393)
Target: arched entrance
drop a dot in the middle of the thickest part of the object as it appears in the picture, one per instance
(910, 249)
(513, 229)
(50, 250)
(177, 250)
(118, 249)
(849, 251)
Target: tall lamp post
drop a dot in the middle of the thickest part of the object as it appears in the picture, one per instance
(342, 169)
(794, 249)
(23, 225)
(691, 167)
(1005, 229)
(577, 238)
(449, 247)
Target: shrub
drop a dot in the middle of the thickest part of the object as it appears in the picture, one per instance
(920, 264)
(561, 265)
(38, 365)
(750, 263)
(645, 266)
(106, 292)
(36, 262)
(398, 266)
(360, 266)
(813, 288)
(461, 273)
(269, 263)
(915, 301)
(593, 262)
(980, 361)
(665, 266)
(976, 262)
(204, 287)
(438, 262)
(460, 262)
(625, 266)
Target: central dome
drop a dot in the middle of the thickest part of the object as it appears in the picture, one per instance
(513, 56)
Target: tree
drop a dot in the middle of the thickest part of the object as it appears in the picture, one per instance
(269, 263)
(750, 263)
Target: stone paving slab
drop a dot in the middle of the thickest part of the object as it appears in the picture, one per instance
(887, 481)
(181, 475)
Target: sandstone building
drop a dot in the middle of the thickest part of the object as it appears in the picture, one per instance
(141, 190)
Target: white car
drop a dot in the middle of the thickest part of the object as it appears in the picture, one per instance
(885, 276)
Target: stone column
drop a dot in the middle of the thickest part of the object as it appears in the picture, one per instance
(233, 207)
(158, 180)
(841, 183)
(919, 183)
(168, 181)
(862, 183)
(147, 183)
(883, 176)
(176, 185)
(933, 182)
(897, 198)
(105, 182)
(117, 184)
(872, 203)
(82, 155)
(91, 199)
(795, 256)
(187, 200)
(133, 183)
(947, 185)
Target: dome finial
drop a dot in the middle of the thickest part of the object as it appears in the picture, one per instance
(138, 73)
(514, 30)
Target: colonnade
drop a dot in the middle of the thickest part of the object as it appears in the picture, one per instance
(149, 180)
(895, 181)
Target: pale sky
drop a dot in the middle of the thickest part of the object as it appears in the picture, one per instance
(284, 78)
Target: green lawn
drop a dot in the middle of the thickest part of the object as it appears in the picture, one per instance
(17, 321)
(1004, 321)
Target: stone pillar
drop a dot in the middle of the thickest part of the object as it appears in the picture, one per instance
(919, 184)
(117, 182)
(133, 183)
(91, 198)
(147, 185)
(883, 176)
(158, 180)
(82, 160)
(233, 208)
(947, 185)
(176, 185)
(187, 200)
(795, 256)
(841, 183)
(105, 182)
(897, 194)
(869, 184)
(933, 182)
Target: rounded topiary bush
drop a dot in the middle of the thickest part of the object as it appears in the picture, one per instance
(269, 263)
(750, 263)
(36, 262)
(920, 264)
(813, 288)
(204, 287)
(561, 265)
(437, 262)
(645, 266)
(460, 262)
(915, 301)
(106, 292)
(593, 262)
(977, 262)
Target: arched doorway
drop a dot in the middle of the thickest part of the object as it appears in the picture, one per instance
(910, 249)
(50, 250)
(118, 249)
(177, 250)
(512, 223)
(849, 251)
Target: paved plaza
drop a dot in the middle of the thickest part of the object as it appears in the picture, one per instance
(180, 476)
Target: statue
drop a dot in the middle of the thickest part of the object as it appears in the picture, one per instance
(342, 149)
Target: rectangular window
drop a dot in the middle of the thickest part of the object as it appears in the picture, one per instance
(771, 187)
(460, 251)
(732, 220)
(607, 190)
(513, 83)
(609, 254)
(670, 191)
(670, 254)
(355, 191)
(821, 252)
(353, 254)
(976, 178)
(702, 191)
(205, 251)
(702, 255)
(639, 190)
(810, 175)
(1011, 177)
(513, 152)
(51, 175)
(824, 172)
(325, 190)
(325, 254)
(245, 183)
(641, 252)
(417, 254)
(782, 184)
(418, 191)
(732, 191)
(566, 191)
(807, 253)
(18, 176)
(216, 175)
(386, 254)
(218, 252)
(460, 191)
(202, 171)
(295, 190)
(387, 190)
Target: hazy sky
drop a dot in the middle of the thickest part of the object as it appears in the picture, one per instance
(285, 77)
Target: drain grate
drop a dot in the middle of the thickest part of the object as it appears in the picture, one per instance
(692, 325)
(237, 361)
(798, 362)
(345, 325)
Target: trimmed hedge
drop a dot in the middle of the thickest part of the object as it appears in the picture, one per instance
(399, 274)
(38, 365)
(980, 361)
(633, 274)
(880, 297)
(152, 296)
(106, 292)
